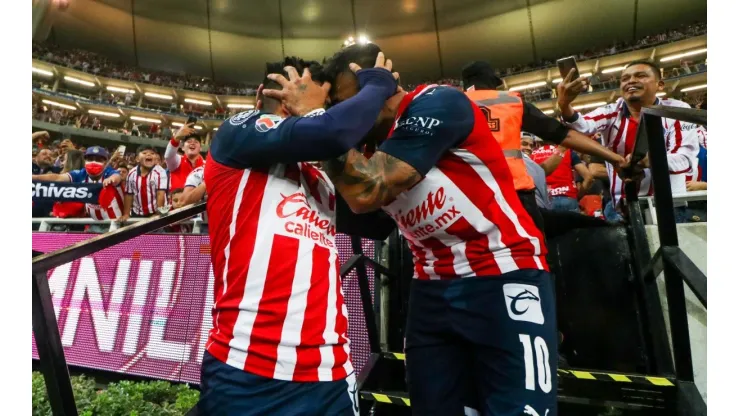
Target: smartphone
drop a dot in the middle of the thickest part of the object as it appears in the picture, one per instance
(565, 65)
(121, 149)
(192, 119)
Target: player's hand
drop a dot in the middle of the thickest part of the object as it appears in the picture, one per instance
(380, 62)
(185, 131)
(569, 88)
(109, 181)
(122, 219)
(300, 94)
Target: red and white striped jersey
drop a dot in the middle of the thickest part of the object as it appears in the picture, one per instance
(110, 204)
(278, 307)
(619, 131)
(144, 189)
(464, 218)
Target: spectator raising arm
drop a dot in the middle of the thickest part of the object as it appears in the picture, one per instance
(553, 161)
(171, 157)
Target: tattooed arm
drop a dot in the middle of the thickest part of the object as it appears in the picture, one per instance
(368, 184)
(431, 124)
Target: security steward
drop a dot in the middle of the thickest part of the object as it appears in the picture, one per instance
(508, 115)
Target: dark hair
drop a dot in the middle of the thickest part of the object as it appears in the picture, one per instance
(481, 75)
(75, 160)
(652, 66)
(144, 147)
(176, 191)
(362, 55)
(270, 104)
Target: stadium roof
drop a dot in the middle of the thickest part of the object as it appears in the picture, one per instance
(232, 39)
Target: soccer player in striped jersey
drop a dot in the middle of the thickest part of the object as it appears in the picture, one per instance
(481, 302)
(279, 342)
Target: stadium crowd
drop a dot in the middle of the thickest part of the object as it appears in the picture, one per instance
(96, 64)
(577, 182)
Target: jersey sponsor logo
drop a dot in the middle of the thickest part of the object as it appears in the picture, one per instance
(529, 410)
(418, 125)
(523, 303)
(494, 124)
(305, 221)
(242, 117)
(267, 122)
(433, 207)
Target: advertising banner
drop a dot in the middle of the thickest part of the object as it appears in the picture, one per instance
(143, 307)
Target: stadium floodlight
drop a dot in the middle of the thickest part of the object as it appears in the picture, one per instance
(589, 105)
(79, 81)
(613, 69)
(200, 102)
(694, 88)
(240, 105)
(119, 89)
(104, 113)
(528, 86)
(661, 94)
(548, 112)
(176, 124)
(146, 120)
(559, 80)
(363, 40)
(215, 129)
(56, 104)
(42, 72)
(683, 55)
(160, 96)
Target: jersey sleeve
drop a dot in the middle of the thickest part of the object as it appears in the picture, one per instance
(171, 157)
(162, 180)
(682, 145)
(109, 171)
(434, 122)
(595, 121)
(253, 138)
(78, 175)
(195, 178)
(130, 185)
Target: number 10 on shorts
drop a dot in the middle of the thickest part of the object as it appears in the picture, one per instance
(542, 357)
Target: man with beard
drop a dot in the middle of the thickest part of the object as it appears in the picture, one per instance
(481, 303)
(178, 165)
(146, 186)
(639, 83)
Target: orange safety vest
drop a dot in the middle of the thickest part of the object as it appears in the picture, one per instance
(504, 111)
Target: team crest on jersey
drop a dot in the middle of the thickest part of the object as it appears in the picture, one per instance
(241, 117)
(267, 122)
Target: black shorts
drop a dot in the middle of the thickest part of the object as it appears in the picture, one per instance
(529, 202)
(489, 340)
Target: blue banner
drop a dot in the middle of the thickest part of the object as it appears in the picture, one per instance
(66, 192)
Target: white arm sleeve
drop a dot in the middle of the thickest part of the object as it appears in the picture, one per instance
(171, 158)
(595, 121)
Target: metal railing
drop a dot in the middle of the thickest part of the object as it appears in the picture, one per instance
(669, 259)
(650, 212)
(45, 224)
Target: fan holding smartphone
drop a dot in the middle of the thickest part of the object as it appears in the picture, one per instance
(180, 166)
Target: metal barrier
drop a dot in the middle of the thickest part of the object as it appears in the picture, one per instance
(45, 223)
(669, 258)
(48, 342)
(650, 213)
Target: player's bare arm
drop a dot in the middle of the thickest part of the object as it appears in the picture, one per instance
(368, 184)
